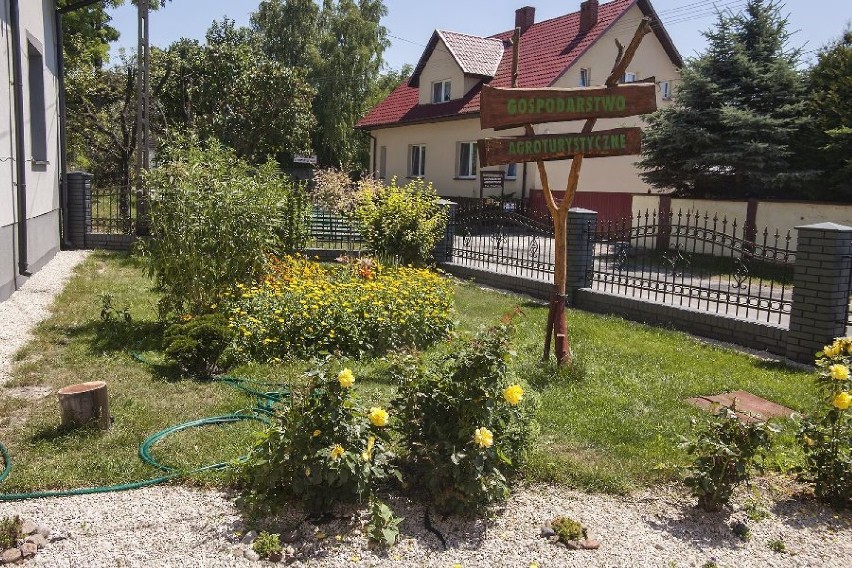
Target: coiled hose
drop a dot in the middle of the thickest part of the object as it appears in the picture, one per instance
(261, 412)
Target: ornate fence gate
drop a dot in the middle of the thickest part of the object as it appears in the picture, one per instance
(505, 242)
(696, 261)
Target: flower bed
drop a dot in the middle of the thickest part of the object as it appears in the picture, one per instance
(303, 308)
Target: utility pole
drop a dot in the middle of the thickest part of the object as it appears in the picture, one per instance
(143, 127)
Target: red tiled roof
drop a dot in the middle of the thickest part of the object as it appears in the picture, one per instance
(547, 50)
(475, 55)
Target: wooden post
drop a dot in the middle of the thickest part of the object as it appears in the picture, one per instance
(556, 324)
(83, 403)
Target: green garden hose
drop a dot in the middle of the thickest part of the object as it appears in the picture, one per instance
(262, 412)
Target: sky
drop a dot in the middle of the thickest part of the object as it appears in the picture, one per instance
(411, 23)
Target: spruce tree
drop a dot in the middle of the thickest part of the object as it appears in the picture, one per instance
(732, 129)
(830, 84)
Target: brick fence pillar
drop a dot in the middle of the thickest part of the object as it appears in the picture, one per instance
(79, 209)
(581, 250)
(820, 289)
(444, 247)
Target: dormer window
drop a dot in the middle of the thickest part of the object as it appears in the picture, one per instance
(585, 77)
(629, 77)
(441, 91)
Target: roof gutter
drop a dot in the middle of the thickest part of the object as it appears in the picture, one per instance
(20, 155)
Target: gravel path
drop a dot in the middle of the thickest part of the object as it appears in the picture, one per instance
(174, 526)
(184, 527)
(24, 309)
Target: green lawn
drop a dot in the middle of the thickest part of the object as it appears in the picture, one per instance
(610, 423)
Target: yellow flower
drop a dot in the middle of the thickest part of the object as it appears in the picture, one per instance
(336, 452)
(833, 350)
(513, 394)
(346, 378)
(367, 454)
(483, 437)
(842, 400)
(839, 372)
(378, 416)
(316, 433)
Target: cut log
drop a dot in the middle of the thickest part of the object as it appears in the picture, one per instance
(84, 403)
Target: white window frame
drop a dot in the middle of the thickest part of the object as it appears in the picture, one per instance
(446, 88)
(585, 77)
(509, 173)
(472, 165)
(629, 77)
(421, 159)
(666, 90)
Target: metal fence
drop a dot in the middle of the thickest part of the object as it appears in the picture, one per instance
(503, 240)
(696, 261)
(113, 210)
(329, 231)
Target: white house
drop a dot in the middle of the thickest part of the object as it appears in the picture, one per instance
(428, 127)
(29, 140)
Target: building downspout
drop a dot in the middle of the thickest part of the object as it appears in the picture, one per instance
(375, 142)
(20, 155)
(63, 143)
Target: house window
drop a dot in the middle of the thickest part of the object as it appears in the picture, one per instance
(38, 112)
(417, 161)
(666, 90)
(441, 91)
(585, 77)
(468, 159)
(512, 171)
(383, 162)
(629, 77)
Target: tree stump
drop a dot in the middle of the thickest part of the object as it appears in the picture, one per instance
(84, 403)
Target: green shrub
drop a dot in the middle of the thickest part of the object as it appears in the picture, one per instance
(466, 428)
(403, 223)
(567, 529)
(305, 308)
(826, 437)
(196, 343)
(213, 219)
(323, 448)
(10, 532)
(267, 544)
(724, 450)
(383, 527)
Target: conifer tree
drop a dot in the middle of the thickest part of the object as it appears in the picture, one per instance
(831, 106)
(732, 129)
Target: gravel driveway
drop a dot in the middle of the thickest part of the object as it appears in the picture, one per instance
(184, 527)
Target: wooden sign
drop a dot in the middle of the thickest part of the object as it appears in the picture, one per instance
(509, 108)
(600, 144)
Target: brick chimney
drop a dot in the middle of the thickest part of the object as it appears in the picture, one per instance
(524, 18)
(588, 15)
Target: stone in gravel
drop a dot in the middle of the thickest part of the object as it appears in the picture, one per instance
(11, 555)
(276, 557)
(547, 531)
(37, 540)
(249, 537)
(43, 531)
(252, 555)
(28, 549)
(58, 536)
(28, 528)
(590, 544)
(238, 551)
